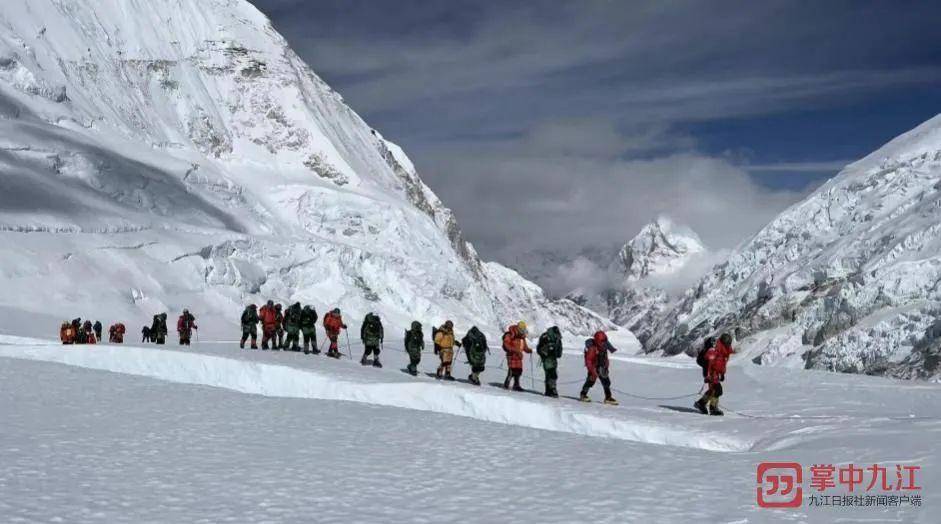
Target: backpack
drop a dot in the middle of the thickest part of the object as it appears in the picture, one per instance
(372, 328)
(701, 356)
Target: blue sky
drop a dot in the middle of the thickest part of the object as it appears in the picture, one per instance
(550, 125)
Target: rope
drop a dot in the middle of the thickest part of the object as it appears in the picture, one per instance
(625, 393)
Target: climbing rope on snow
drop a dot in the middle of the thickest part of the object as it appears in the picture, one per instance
(625, 393)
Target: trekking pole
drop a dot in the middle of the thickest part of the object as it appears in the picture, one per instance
(349, 351)
(532, 373)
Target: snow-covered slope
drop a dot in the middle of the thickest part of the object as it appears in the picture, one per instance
(646, 275)
(847, 280)
(346, 443)
(161, 154)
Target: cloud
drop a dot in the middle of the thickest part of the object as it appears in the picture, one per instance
(538, 193)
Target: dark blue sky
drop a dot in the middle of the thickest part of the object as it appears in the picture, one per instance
(564, 125)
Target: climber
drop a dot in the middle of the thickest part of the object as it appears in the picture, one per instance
(309, 329)
(97, 327)
(249, 326)
(78, 334)
(66, 334)
(332, 324)
(116, 333)
(145, 334)
(514, 345)
(158, 330)
(269, 325)
(476, 350)
(292, 326)
(716, 359)
(185, 326)
(372, 335)
(445, 342)
(596, 360)
(549, 350)
(89, 331)
(414, 345)
(279, 327)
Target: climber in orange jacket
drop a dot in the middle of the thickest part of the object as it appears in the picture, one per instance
(514, 344)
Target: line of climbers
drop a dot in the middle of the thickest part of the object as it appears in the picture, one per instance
(303, 320)
(77, 332)
(156, 332)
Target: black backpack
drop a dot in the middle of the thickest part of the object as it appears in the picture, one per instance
(701, 357)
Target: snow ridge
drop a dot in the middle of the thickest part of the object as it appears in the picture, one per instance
(285, 381)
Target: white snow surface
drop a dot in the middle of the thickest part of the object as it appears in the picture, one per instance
(326, 440)
(177, 153)
(846, 280)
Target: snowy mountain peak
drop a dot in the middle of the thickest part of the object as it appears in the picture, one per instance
(846, 280)
(178, 153)
(660, 248)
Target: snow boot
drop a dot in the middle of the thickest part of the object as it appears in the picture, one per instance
(473, 380)
(701, 406)
(506, 383)
(584, 398)
(376, 363)
(716, 412)
(438, 374)
(242, 345)
(413, 372)
(611, 401)
(363, 361)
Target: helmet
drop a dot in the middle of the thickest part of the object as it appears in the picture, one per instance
(277, 306)
(726, 339)
(336, 311)
(416, 325)
(600, 337)
(521, 326)
(709, 342)
(449, 325)
(270, 303)
(185, 311)
(253, 306)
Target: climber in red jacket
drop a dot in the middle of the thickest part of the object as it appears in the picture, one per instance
(596, 360)
(716, 359)
(332, 324)
(269, 325)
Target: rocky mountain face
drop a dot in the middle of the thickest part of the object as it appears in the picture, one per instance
(640, 284)
(169, 153)
(848, 280)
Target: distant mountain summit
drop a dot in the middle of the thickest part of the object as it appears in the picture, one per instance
(644, 277)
